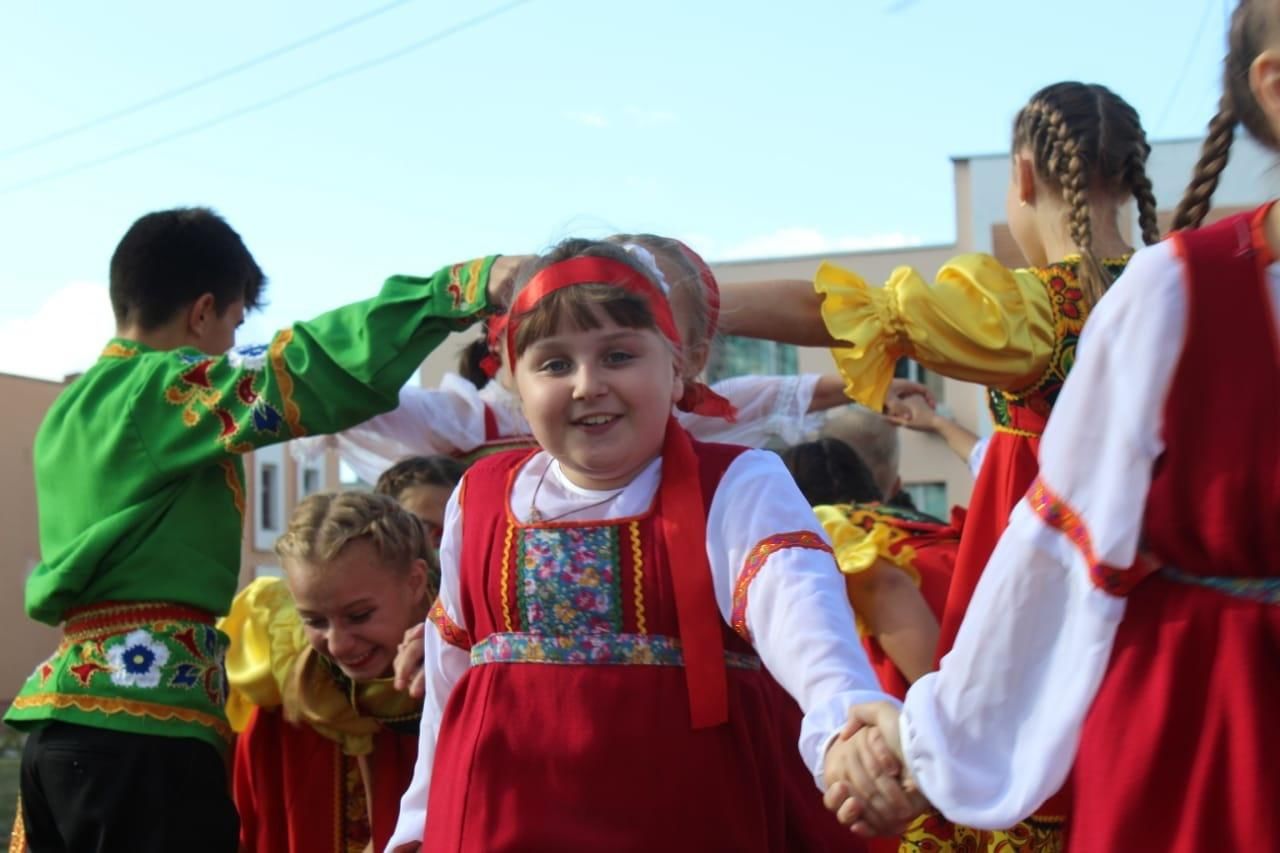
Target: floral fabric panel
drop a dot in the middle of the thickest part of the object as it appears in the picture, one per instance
(569, 580)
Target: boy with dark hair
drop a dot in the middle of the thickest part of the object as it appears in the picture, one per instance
(140, 491)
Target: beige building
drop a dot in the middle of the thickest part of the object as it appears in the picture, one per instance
(22, 641)
(276, 482)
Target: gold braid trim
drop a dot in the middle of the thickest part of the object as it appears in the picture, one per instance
(292, 414)
(638, 558)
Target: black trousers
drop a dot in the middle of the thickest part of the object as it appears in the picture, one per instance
(89, 790)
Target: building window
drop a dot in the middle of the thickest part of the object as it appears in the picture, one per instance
(908, 369)
(733, 356)
(929, 498)
(268, 499)
(268, 485)
(310, 478)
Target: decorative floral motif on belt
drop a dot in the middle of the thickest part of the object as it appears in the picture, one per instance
(138, 661)
(165, 655)
(569, 580)
(197, 391)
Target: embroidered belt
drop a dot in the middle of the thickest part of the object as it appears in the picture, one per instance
(592, 649)
(144, 667)
(1265, 590)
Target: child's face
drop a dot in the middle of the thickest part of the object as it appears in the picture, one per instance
(427, 502)
(599, 400)
(355, 608)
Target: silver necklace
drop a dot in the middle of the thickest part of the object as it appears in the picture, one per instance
(536, 516)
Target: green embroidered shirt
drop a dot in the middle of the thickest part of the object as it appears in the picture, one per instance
(139, 480)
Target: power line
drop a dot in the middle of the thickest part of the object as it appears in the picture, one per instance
(1196, 36)
(198, 84)
(267, 102)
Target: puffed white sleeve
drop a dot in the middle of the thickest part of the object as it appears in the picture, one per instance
(428, 421)
(994, 732)
(446, 659)
(777, 585)
(768, 407)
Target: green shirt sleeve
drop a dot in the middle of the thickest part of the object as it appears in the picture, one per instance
(320, 376)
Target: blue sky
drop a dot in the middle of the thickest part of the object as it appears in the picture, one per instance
(748, 127)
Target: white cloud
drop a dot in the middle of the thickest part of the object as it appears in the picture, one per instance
(64, 335)
(797, 240)
(587, 119)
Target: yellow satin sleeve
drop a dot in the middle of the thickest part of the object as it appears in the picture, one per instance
(978, 321)
(266, 641)
(856, 548)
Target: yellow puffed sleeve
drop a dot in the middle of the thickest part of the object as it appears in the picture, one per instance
(857, 548)
(979, 322)
(266, 641)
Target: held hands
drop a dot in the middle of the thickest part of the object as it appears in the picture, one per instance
(864, 772)
(913, 412)
(410, 658)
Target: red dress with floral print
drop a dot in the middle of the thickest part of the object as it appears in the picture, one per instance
(571, 730)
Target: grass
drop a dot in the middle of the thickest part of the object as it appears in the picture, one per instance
(8, 794)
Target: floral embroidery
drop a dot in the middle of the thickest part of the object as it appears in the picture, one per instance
(591, 649)
(755, 561)
(1067, 298)
(1070, 311)
(292, 414)
(449, 630)
(112, 651)
(233, 483)
(933, 833)
(137, 661)
(569, 580)
(1058, 514)
(197, 392)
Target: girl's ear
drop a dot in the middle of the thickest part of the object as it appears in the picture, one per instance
(417, 579)
(695, 359)
(1024, 179)
(1264, 80)
(677, 386)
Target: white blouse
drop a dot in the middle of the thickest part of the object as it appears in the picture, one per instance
(994, 732)
(450, 419)
(797, 613)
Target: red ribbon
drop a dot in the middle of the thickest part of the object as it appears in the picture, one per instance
(684, 531)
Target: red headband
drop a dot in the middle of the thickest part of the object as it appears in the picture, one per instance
(590, 270)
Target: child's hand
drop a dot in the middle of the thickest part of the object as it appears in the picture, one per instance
(410, 657)
(502, 278)
(912, 411)
(411, 847)
(902, 389)
(862, 773)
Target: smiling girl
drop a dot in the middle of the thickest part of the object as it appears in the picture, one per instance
(326, 744)
(594, 661)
